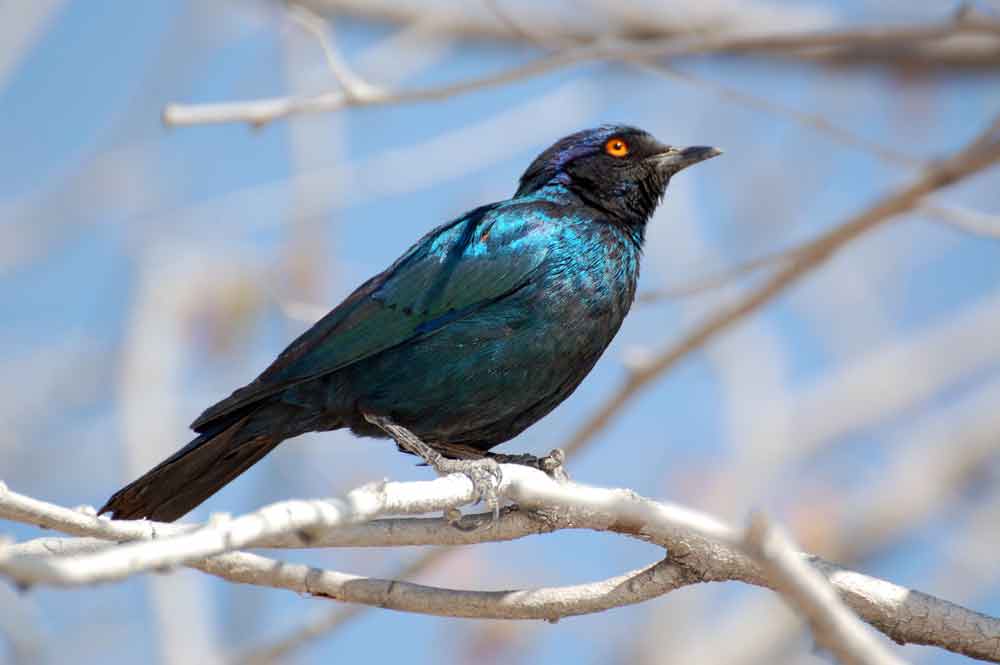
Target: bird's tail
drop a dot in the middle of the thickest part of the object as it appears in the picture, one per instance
(194, 473)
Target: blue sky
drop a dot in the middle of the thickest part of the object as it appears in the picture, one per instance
(103, 208)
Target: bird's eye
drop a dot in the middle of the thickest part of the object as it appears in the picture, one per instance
(616, 147)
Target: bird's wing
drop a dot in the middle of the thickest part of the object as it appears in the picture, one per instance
(454, 270)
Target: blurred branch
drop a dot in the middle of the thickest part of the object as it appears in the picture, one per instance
(629, 20)
(22, 628)
(21, 28)
(700, 548)
(882, 385)
(848, 43)
(970, 569)
(354, 86)
(720, 279)
(746, 28)
(833, 625)
(169, 286)
(981, 153)
(814, 121)
(970, 221)
(943, 459)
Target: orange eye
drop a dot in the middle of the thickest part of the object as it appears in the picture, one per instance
(616, 147)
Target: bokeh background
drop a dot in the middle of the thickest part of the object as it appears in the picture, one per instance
(145, 272)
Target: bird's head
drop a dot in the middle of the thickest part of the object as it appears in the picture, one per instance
(622, 170)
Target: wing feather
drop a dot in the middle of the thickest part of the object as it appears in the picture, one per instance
(454, 270)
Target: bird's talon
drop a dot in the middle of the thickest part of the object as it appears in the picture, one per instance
(553, 464)
(484, 474)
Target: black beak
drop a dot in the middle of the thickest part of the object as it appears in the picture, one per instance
(675, 159)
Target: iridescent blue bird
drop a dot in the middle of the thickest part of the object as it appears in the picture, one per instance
(480, 329)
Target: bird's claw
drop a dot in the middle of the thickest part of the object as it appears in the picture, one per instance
(484, 474)
(552, 464)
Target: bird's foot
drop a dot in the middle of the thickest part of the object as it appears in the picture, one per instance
(484, 474)
(552, 464)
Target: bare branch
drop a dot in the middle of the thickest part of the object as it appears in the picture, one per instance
(700, 549)
(950, 42)
(226, 535)
(720, 279)
(354, 87)
(308, 519)
(479, 20)
(814, 121)
(843, 43)
(833, 625)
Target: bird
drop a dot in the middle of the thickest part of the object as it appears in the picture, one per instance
(479, 330)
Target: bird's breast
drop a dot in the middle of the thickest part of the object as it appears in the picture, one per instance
(591, 277)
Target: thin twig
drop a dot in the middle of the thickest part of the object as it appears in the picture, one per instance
(814, 121)
(720, 279)
(971, 221)
(354, 86)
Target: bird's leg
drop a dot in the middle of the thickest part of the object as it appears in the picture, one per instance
(552, 464)
(484, 474)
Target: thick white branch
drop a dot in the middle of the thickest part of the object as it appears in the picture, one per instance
(390, 532)
(700, 549)
(305, 520)
(223, 534)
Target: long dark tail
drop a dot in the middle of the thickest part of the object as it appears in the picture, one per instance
(195, 472)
